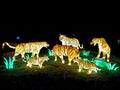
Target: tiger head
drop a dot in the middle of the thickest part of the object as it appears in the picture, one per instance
(45, 58)
(97, 41)
(94, 41)
(76, 60)
(61, 37)
(45, 44)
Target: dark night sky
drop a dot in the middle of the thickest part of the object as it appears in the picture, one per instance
(83, 24)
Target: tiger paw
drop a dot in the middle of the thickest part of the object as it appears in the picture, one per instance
(69, 64)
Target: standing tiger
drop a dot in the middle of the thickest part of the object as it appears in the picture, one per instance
(70, 41)
(103, 47)
(64, 50)
(30, 47)
(90, 66)
(37, 61)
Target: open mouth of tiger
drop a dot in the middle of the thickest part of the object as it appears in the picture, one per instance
(47, 46)
(92, 43)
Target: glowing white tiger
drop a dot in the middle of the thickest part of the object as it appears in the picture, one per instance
(70, 41)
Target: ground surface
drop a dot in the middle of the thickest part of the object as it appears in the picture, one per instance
(55, 75)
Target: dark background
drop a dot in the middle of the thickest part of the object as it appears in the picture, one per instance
(46, 23)
(83, 21)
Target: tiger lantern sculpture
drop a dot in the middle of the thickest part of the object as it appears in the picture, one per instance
(37, 61)
(89, 66)
(30, 47)
(64, 50)
(70, 41)
(103, 48)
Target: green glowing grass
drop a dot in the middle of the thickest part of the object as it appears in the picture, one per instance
(49, 53)
(113, 67)
(27, 56)
(99, 62)
(104, 64)
(85, 52)
(59, 70)
(9, 63)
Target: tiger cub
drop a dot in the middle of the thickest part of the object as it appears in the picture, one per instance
(64, 50)
(37, 61)
(90, 66)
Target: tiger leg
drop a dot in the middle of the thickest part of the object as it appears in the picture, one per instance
(95, 70)
(40, 65)
(99, 52)
(61, 57)
(104, 55)
(55, 58)
(69, 61)
(89, 71)
(29, 65)
(108, 57)
(22, 55)
(37, 54)
(16, 54)
(79, 69)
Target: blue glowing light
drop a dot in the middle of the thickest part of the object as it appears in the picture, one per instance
(17, 37)
(118, 41)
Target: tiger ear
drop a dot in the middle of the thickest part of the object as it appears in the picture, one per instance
(60, 34)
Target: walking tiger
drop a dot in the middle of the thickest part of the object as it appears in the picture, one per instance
(30, 47)
(64, 50)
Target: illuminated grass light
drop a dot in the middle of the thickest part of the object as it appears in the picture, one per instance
(9, 63)
(118, 41)
(113, 67)
(104, 64)
(100, 62)
(85, 53)
(27, 56)
(85, 59)
(49, 52)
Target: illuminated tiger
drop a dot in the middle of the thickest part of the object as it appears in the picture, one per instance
(64, 50)
(103, 48)
(37, 61)
(70, 41)
(30, 47)
(90, 66)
